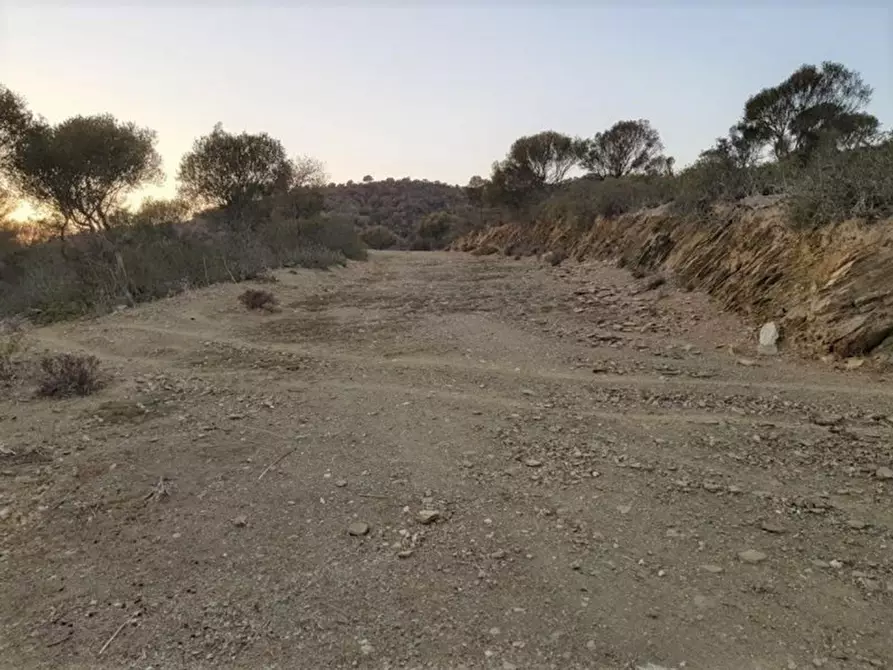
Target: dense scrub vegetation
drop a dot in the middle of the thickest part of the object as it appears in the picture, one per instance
(399, 205)
(245, 206)
(806, 140)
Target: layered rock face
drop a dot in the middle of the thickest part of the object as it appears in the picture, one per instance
(829, 291)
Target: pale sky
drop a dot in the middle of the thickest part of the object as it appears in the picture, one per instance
(435, 89)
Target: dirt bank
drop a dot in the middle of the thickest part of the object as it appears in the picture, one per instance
(831, 291)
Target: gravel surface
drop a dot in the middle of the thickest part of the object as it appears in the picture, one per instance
(435, 460)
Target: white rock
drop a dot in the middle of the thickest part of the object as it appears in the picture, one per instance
(884, 473)
(768, 339)
(752, 556)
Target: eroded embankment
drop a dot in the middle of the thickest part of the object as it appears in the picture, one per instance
(831, 290)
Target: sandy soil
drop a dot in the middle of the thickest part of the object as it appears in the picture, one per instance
(610, 485)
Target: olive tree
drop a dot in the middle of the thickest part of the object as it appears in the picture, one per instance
(547, 157)
(82, 168)
(308, 172)
(809, 107)
(15, 120)
(229, 170)
(627, 147)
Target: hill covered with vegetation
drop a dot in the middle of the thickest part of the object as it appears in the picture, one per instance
(390, 211)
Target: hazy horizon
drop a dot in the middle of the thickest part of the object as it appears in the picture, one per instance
(438, 92)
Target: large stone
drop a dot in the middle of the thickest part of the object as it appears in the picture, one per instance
(768, 339)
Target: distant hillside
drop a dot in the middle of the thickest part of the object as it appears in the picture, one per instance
(398, 205)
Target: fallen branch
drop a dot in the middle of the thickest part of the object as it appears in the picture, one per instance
(61, 640)
(119, 629)
(276, 462)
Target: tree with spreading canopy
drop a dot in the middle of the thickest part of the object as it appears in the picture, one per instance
(228, 170)
(814, 104)
(546, 158)
(476, 192)
(308, 172)
(738, 149)
(155, 211)
(511, 185)
(15, 120)
(82, 168)
(627, 147)
(534, 164)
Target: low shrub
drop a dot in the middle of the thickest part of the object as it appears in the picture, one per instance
(584, 200)
(12, 344)
(66, 375)
(92, 274)
(258, 300)
(836, 186)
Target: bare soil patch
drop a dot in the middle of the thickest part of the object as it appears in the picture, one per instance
(436, 460)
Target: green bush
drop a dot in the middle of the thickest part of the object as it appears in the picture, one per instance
(836, 186)
(581, 202)
(438, 230)
(708, 182)
(93, 273)
(379, 237)
(333, 232)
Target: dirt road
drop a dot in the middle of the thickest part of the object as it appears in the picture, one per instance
(442, 461)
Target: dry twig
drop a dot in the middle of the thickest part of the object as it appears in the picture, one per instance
(276, 462)
(118, 630)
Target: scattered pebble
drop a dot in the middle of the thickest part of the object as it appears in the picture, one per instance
(428, 516)
(358, 528)
(884, 473)
(752, 556)
(240, 521)
(772, 526)
(713, 569)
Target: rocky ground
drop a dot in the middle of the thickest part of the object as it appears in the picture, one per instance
(442, 461)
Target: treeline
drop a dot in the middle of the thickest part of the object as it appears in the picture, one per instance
(249, 207)
(244, 204)
(807, 139)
